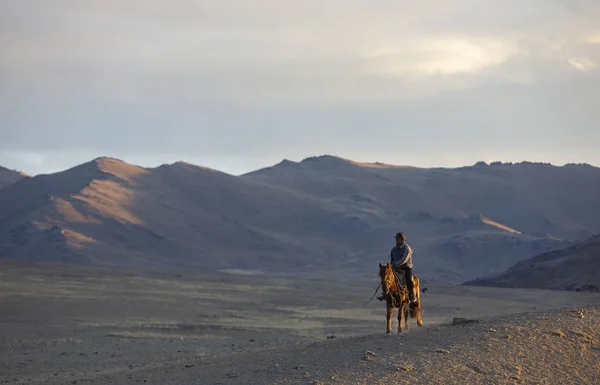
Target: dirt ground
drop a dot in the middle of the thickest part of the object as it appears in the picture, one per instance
(71, 325)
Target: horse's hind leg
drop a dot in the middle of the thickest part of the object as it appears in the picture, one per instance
(390, 311)
(405, 308)
(400, 312)
(419, 319)
(416, 308)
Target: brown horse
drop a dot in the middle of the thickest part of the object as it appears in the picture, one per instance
(396, 297)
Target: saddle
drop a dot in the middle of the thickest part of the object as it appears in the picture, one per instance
(400, 280)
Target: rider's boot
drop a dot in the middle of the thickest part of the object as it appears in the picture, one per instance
(411, 296)
(410, 285)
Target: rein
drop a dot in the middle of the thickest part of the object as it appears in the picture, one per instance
(394, 287)
(373, 295)
(391, 283)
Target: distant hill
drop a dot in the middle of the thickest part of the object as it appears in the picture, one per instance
(573, 268)
(8, 177)
(109, 212)
(324, 214)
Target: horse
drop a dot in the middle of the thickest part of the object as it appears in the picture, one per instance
(397, 297)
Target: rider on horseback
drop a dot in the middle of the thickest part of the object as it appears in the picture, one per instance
(401, 259)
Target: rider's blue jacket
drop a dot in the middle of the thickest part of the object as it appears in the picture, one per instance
(401, 256)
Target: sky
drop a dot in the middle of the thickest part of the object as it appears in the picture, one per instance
(237, 85)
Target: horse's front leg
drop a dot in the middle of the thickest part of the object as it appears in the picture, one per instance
(400, 312)
(390, 310)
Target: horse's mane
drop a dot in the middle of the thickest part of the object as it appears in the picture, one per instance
(398, 290)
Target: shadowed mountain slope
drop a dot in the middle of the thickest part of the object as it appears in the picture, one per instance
(573, 268)
(535, 198)
(8, 177)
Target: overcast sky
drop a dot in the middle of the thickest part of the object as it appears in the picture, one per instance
(239, 85)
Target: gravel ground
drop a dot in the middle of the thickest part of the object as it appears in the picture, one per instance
(549, 347)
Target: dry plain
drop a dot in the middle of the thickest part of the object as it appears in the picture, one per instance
(62, 324)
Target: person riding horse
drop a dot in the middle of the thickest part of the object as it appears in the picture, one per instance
(401, 259)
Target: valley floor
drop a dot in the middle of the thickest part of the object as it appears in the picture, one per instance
(76, 325)
(547, 347)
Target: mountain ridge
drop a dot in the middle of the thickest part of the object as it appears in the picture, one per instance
(373, 164)
(8, 176)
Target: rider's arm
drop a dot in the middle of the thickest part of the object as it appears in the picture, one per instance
(406, 254)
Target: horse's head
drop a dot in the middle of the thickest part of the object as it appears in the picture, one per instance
(387, 277)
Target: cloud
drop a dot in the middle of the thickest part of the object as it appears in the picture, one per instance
(582, 64)
(440, 56)
(268, 51)
(235, 78)
(594, 39)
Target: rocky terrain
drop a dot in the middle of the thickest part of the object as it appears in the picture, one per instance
(556, 347)
(573, 268)
(321, 214)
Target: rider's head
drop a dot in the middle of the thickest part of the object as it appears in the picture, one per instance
(400, 238)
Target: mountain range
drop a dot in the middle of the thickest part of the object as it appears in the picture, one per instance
(324, 215)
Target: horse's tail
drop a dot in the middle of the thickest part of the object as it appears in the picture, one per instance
(415, 308)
